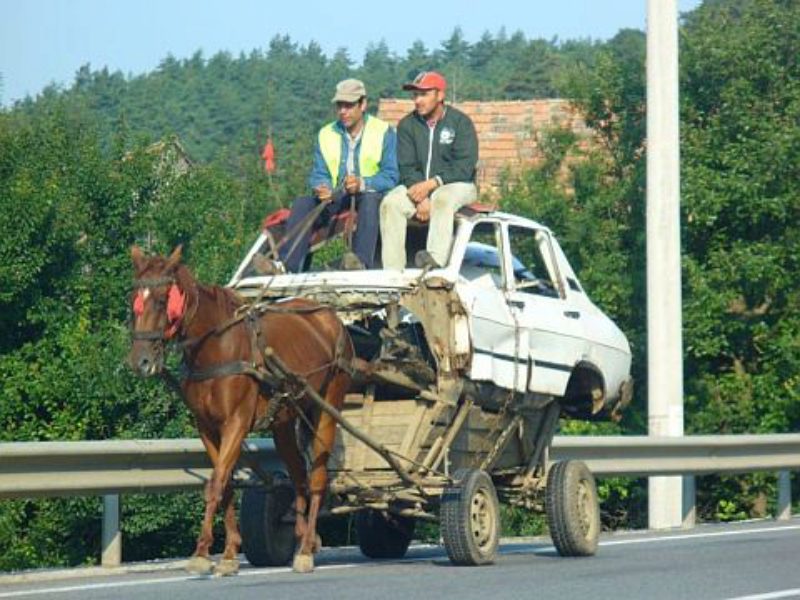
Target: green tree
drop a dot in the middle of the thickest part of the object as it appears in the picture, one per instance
(379, 71)
(741, 145)
(417, 59)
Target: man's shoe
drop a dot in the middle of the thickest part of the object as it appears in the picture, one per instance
(425, 260)
(351, 262)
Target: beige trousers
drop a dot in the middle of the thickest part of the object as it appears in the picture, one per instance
(397, 208)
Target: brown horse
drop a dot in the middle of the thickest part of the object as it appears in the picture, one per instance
(222, 339)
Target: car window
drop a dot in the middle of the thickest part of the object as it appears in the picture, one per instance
(259, 263)
(482, 263)
(531, 274)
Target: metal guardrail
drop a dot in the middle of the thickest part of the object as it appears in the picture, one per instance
(109, 468)
(688, 455)
(30, 469)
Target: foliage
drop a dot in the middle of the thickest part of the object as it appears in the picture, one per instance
(741, 190)
(516, 520)
(741, 106)
(52, 532)
(68, 225)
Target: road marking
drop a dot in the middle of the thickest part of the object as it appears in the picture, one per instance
(687, 536)
(795, 593)
(182, 578)
(506, 551)
(665, 538)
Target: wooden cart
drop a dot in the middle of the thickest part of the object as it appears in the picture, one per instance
(402, 458)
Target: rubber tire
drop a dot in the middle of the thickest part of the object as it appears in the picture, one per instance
(472, 488)
(382, 535)
(266, 540)
(573, 511)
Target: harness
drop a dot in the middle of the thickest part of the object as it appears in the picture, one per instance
(282, 386)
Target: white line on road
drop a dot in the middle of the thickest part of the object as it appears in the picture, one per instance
(506, 551)
(120, 584)
(669, 538)
(795, 593)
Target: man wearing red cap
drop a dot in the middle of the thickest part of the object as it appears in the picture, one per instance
(437, 152)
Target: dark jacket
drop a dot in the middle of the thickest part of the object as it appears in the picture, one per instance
(454, 146)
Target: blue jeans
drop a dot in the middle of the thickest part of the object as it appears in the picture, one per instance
(366, 235)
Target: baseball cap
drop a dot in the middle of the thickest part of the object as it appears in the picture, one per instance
(427, 80)
(349, 90)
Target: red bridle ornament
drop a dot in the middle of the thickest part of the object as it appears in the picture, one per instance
(176, 308)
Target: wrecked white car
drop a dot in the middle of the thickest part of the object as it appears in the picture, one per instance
(506, 313)
(462, 376)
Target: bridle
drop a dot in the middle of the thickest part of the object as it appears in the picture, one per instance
(176, 309)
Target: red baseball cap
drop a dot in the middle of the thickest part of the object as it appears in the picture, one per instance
(427, 80)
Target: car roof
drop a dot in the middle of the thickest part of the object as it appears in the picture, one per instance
(504, 217)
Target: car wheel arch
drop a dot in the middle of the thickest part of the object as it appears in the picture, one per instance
(585, 395)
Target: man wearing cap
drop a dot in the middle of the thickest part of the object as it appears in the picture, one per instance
(437, 151)
(355, 157)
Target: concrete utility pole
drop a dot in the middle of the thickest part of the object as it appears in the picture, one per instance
(664, 336)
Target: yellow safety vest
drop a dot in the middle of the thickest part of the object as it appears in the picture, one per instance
(369, 155)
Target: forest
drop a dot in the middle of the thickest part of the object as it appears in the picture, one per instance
(86, 171)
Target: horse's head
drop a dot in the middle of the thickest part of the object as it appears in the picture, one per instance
(159, 305)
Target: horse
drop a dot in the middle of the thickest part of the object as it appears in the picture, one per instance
(225, 343)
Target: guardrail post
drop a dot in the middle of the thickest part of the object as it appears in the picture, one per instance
(784, 496)
(111, 536)
(689, 503)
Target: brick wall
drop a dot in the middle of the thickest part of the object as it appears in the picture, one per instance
(507, 131)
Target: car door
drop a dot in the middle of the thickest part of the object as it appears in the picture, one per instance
(545, 309)
(499, 344)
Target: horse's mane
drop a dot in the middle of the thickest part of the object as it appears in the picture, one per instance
(226, 299)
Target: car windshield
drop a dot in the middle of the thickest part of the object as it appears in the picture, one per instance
(482, 258)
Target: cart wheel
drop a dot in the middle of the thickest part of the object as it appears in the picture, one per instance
(470, 518)
(383, 535)
(573, 513)
(266, 539)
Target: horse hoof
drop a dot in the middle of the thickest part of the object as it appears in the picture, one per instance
(303, 563)
(227, 566)
(200, 565)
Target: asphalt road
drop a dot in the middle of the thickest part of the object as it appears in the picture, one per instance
(753, 561)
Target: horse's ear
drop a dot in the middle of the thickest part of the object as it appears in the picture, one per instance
(138, 258)
(174, 258)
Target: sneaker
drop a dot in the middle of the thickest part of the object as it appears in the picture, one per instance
(351, 262)
(425, 260)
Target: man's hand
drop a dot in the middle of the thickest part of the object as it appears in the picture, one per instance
(324, 193)
(421, 190)
(352, 184)
(423, 213)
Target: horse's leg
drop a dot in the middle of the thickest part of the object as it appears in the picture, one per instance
(229, 564)
(200, 562)
(232, 434)
(286, 443)
(324, 439)
(224, 448)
